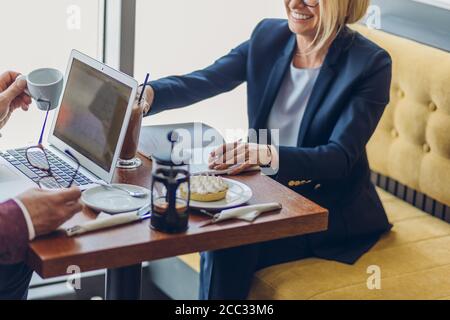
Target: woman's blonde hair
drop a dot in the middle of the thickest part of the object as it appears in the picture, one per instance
(334, 15)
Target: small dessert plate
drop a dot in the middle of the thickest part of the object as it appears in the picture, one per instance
(113, 200)
(238, 194)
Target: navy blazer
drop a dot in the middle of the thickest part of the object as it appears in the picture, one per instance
(347, 102)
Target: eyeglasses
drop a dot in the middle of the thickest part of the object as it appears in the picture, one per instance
(311, 3)
(37, 157)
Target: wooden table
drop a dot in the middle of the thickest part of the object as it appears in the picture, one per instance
(122, 250)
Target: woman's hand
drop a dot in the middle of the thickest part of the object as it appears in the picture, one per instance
(147, 98)
(12, 95)
(241, 155)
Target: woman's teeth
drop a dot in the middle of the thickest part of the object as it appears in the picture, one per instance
(300, 16)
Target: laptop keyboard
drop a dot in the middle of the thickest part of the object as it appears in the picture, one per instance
(61, 171)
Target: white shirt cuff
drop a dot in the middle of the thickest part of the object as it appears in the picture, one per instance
(26, 214)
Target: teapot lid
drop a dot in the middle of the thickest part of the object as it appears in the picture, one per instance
(168, 158)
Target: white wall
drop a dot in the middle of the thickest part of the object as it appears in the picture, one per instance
(38, 34)
(179, 36)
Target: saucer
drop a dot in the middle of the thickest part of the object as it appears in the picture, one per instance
(114, 201)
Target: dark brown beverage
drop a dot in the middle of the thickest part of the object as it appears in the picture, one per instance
(161, 206)
(130, 144)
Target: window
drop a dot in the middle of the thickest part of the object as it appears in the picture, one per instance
(179, 36)
(438, 3)
(40, 34)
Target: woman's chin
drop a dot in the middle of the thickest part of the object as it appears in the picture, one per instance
(300, 29)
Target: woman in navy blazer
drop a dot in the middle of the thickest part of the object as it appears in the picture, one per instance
(329, 163)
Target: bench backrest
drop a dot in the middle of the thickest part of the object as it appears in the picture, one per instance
(412, 143)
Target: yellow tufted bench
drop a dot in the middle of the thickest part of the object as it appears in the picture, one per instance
(412, 146)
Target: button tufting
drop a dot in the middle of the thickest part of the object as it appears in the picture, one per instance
(400, 94)
(426, 148)
(432, 106)
(394, 133)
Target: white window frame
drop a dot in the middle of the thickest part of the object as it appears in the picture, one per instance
(119, 34)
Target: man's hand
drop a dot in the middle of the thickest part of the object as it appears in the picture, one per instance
(147, 98)
(50, 209)
(12, 95)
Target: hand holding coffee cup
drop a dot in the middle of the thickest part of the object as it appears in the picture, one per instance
(12, 95)
(45, 87)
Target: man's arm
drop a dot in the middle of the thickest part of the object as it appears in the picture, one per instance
(33, 213)
(14, 234)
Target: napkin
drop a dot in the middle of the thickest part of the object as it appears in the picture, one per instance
(247, 213)
(105, 221)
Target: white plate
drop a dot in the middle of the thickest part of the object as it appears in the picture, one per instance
(238, 194)
(114, 201)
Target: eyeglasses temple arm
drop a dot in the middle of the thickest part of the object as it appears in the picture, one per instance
(41, 138)
(78, 166)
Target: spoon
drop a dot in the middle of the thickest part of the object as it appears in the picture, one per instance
(133, 194)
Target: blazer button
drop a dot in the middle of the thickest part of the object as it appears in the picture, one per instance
(291, 183)
(432, 106)
(317, 186)
(426, 148)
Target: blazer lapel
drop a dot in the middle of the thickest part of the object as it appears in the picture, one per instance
(324, 80)
(273, 85)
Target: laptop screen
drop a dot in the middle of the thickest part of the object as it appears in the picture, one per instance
(92, 113)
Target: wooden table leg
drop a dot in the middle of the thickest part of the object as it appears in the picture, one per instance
(124, 283)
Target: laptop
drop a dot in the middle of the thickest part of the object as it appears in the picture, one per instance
(91, 123)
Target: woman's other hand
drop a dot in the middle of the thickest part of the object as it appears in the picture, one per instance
(242, 156)
(147, 98)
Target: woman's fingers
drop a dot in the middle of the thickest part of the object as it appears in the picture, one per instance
(232, 157)
(222, 150)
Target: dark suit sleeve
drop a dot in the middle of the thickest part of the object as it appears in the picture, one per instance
(351, 134)
(13, 233)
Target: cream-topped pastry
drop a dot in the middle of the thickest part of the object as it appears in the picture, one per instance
(207, 188)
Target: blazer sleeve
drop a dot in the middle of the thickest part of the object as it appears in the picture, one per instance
(351, 133)
(224, 75)
(13, 233)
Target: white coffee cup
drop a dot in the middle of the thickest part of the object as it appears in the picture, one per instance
(45, 87)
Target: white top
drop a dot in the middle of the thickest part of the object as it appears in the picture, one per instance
(290, 105)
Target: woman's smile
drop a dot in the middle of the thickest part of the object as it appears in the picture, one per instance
(303, 20)
(300, 17)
